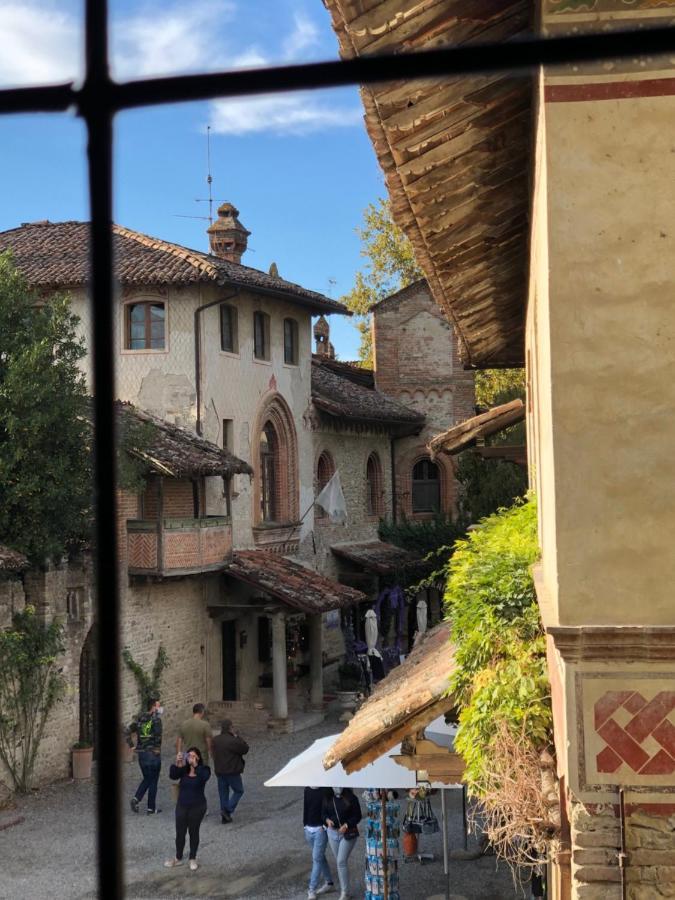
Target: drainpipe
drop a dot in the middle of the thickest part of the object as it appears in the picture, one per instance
(623, 855)
(198, 352)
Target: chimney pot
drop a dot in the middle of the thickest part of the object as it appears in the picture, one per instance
(227, 236)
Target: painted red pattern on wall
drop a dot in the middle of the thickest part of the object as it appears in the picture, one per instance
(649, 723)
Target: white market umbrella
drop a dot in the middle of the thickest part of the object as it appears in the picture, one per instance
(371, 633)
(307, 769)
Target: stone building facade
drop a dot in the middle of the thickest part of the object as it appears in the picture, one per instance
(416, 360)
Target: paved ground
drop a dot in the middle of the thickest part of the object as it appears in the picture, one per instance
(261, 856)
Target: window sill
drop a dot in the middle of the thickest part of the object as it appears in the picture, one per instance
(262, 362)
(126, 351)
(230, 353)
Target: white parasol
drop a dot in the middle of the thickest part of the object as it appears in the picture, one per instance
(421, 616)
(372, 633)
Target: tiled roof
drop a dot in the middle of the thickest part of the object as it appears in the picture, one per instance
(339, 396)
(295, 585)
(376, 556)
(176, 452)
(55, 254)
(409, 698)
(456, 155)
(466, 433)
(12, 560)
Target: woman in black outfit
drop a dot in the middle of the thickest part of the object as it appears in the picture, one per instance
(341, 813)
(192, 775)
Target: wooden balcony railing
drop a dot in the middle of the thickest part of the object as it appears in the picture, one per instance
(178, 546)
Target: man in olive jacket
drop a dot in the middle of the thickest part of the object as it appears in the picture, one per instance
(228, 763)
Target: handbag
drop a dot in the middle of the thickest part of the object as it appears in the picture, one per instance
(352, 831)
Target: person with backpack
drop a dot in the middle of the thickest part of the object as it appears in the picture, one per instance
(148, 731)
(228, 762)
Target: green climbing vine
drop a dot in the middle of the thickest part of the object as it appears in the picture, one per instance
(148, 683)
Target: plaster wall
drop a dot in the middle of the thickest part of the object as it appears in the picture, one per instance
(611, 193)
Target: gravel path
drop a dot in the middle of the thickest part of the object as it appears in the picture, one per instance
(261, 856)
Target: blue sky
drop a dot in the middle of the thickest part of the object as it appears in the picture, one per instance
(300, 167)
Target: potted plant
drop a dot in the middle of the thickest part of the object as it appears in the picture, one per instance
(83, 754)
(350, 680)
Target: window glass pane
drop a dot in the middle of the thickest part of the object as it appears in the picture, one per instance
(137, 312)
(226, 330)
(290, 353)
(157, 311)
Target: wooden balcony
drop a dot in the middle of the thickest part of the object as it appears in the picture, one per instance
(178, 546)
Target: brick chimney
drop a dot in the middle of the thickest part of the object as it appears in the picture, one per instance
(227, 236)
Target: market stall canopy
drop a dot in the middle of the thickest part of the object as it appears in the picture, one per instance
(294, 585)
(172, 451)
(466, 433)
(409, 698)
(456, 158)
(12, 560)
(376, 556)
(307, 769)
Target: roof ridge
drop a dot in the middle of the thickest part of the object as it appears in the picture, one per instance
(190, 256)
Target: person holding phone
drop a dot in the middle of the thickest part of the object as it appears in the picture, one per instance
(191, 774)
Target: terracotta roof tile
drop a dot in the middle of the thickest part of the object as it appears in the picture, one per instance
(176, 452)
(410, 697)
(296, 586)
(376, 556)
(55, 254)
(337, 394)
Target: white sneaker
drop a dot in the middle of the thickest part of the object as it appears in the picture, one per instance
(170, 863)
(343, 896)
(311, 895)
(194, 865)
(325, 888)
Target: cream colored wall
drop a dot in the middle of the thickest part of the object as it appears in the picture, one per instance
(538, 361)
(611, 196)
(233, 385)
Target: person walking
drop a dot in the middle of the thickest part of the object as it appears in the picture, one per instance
(228, 762)
(148, 731)
(191, 774)
(196, 732)
(341, 812)
(315, 836)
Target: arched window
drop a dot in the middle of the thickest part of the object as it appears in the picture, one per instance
(374, 486)
(325, 469)
(269, 474)
(426, 487)
(145, 326)
(275, 482)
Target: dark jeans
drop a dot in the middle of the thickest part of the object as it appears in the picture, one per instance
(188, 818)
(225, 783)
(150, 764)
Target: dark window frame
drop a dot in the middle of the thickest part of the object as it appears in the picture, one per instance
(291, 342)
(261, 332)
(129, 339)
(96, 100)
(232, 313)
(424, 487)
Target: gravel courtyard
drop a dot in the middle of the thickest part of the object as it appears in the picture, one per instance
(261, 856)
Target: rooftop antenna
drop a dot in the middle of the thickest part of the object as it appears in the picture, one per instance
(209, 181)
(331, 284)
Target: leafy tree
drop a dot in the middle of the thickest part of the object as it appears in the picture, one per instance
(496, 386)
(30, 685)
(487, 485)
(390, 266)
(45, 466)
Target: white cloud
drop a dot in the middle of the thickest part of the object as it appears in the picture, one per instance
(39, 44)
(280, 114)
(305, 36)
(161, 40)
(41, 41)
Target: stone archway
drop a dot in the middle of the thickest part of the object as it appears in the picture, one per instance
(88, 688)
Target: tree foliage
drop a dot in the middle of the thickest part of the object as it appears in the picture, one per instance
(486, 485)
(45, 471)
(390, 266)
(501, 674)
(497, 386)
(30, 685)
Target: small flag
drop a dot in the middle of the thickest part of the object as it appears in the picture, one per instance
(332, 500)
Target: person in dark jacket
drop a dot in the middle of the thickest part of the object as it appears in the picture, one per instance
(228, 763)
(191, 774)
(341, 814)
(315, 836)
(148, 731)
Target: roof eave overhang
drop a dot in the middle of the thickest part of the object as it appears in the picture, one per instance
(396, 427)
